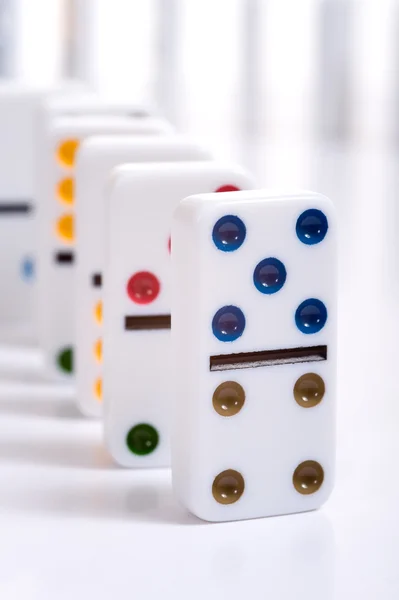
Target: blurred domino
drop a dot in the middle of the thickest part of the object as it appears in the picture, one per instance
(97, 156)
(56, 292)
(19, 108)
(254, 353)
(88, 103)
(79, 104)
(137, 349)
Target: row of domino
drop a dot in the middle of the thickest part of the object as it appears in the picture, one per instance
(212, 315)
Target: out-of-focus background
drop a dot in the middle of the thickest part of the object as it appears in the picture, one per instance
(281, 69)
(305, 93)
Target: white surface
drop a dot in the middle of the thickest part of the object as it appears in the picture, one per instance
(74, 526)
(271, 435)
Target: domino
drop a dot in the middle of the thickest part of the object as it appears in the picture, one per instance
(56, 251)
(88, 103)
(84, 104)
(19, 107)
(137, 366)
(97, 157)
(253, 353)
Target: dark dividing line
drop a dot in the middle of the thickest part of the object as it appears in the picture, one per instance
(267, 358)
(141, 323)
(15, 208)
(65, 258)
(139, 114)
(97, 280)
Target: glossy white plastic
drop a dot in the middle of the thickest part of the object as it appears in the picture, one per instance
(97, 157)
(56, 284)
(271, 434)
(19, 113)
(137, 360)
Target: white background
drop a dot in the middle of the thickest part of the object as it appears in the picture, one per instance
(72, 524)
